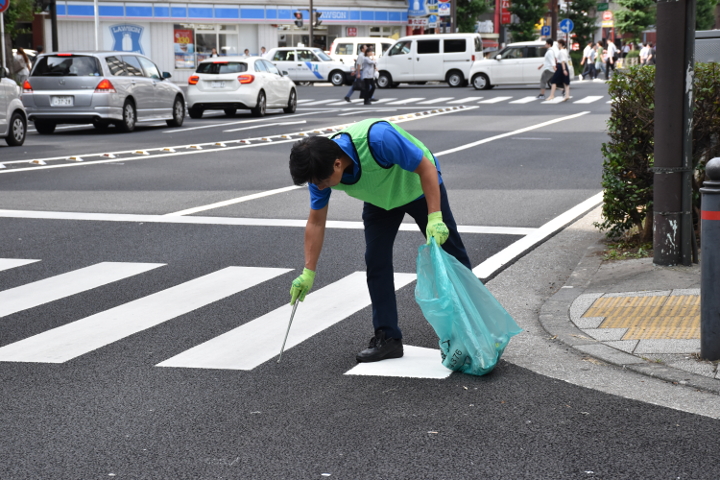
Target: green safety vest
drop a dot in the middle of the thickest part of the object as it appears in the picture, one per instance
(385, 187)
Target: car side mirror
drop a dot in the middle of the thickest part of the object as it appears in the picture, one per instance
(166, 75)
(498, 57)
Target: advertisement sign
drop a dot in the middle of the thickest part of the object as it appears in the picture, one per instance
(127, 37)
(505, 16)
(417, 8)
(444, 9)
(607, 19)
(352, 31)
(184, 47)
(418, 22)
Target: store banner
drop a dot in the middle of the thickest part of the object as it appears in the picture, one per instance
(184, 43)
(417, 22)
(505, 16)
(127, 37)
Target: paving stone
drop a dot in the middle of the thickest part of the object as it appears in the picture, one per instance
(667, 346)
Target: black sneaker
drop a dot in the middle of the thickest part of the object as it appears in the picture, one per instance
(347, 99)
(381, 348)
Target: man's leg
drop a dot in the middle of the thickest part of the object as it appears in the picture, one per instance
(350, 92)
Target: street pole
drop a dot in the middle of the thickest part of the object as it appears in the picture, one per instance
(554, 18)
(672, 188)
(2, 36)
(710, 268)
(53, 23)
(312, 20)
(453, 16)
(97, 21)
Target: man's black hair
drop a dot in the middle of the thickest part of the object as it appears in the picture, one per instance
(312, 159)
(549, 41)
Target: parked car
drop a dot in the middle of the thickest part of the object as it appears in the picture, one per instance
(101, 88)
(421, 58)
(346, 49)
(232, 83)
(707, 46)
(515, 64)
(13, 119)
(310, 65)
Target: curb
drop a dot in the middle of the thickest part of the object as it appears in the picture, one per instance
(555, 319)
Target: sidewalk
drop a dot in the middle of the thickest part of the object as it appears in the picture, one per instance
(636, 315)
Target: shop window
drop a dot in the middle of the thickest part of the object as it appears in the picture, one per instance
(454, 45)
(425, 47)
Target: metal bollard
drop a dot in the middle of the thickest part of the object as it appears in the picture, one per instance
(710, 263)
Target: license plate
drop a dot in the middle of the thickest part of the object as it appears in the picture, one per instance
(218, 84)
(62, 101)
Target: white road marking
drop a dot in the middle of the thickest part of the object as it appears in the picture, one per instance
(265, 125)
(305, 100)
(495, 100)
(357, 100)
(82, 336)
(466, 100)
(416, 362)
(406, 100)
(60, 286)
(362, 111)
(319, 102)
(384, 100)
(525, 100)
(589, 99)
(233, 201)
(255, 120)
(553, 101)
(258, 341)
(435, 100)
(8, 263)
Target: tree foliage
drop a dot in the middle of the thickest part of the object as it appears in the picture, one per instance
(705, 14)
(468, 12)
(582, 13)
(18, 11)
(529, 13)
(635, 16)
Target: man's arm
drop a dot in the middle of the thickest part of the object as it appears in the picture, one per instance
(314, 236)
(430, 186)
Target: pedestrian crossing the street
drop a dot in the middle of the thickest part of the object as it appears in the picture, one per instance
(450, 101)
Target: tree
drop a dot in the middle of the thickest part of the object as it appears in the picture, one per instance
(528, 13)
(582, 13)
(18, 11)
(467, 13)
(705, 14)
(636, 16)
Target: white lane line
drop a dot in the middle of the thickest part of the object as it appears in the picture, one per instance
(248, 222)
(216, 125)
(466, 100)
(589, 99)
(509, 134)
(416, 362)
(492, 265)
(495, 100)
(406, 100)
(258, 341)
(306, 100)
(384, 100)
(265, 125)
(357, 100)
(435, 100)
(233, 201)
(82, 336)
(319, 102)
(60, 286)
(553, 101)
(525, 100)
(363, 111)
(8, 263)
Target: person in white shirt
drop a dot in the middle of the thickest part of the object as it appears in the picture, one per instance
(586, 61)
(22, 66)
(548, 67)
(612, 51)
(644, 51)
(562, 75)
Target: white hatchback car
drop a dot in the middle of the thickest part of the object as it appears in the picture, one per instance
(13, 119)
(310, 65)
(232, 83)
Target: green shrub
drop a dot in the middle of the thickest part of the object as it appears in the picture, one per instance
(576, 58)
(633, 54)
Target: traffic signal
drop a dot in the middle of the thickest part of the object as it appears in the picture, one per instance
(317, 20)
(298, 19)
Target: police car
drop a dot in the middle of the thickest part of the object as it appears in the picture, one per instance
(304, 64)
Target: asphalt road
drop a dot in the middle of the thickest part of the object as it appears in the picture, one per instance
(113, 378)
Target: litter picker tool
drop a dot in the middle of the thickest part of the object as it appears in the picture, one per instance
(292, 315)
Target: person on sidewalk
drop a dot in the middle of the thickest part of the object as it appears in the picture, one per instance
(368, 75)
(592, 71)
(561, 77)
(548, 67)
(585, 61)
(393, 173)
(644, 52)
(356, 72)
(600, 61)
(612, 56)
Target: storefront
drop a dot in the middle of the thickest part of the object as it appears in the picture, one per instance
(178, 36)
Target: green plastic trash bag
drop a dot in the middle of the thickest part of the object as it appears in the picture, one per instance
(472, 326)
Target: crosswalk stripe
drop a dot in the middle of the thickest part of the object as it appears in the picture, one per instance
(356, 100)
(416, 362)
(8, 263)
(64, 285)
(319, 102)
(90, 333)
(525, 100)
(495, 100)
(258, 341)
(590, 99)
(306, 100)
(435, 100)
(554, 100)
(384, 100)
(406, 100)
(467, 100)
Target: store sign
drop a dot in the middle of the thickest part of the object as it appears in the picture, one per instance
(444, 9)
(184, 46)
(607, 19)
(126, 37)
(418, 22)
(416, 8)
(352, 31)
(505, 16)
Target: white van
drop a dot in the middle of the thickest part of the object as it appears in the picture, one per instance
(445, 58)
(346, 49)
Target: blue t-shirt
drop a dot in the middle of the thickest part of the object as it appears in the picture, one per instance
(389, 148)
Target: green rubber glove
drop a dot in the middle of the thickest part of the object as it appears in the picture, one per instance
(301, 286)
(436, 229)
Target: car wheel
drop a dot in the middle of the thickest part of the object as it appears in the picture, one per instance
(129, 118)
(259, 110)
(44, 128)
(384, 80)
(481, 82)
(230, 112)
(455, 79)
(17, 131)
(195, 112)
(292, 102)
(337, 78)
(178, 113)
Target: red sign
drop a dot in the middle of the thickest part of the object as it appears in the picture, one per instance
(4, 4)
(505, 12)
(352, 31)
(607, 15)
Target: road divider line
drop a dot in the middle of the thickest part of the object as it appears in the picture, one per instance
(8, 263)
(83, 336)
(254, 120)
(232, 201)
(320, 310)
(265, 125)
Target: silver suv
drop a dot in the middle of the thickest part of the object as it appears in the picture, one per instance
(100, 88)
(13, 120)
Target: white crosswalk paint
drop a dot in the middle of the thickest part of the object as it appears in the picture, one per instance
(258, 341)
(553, 101)
(495, 100)
(416, 362)
(406, 100)
(525, 100)
(8, 263)
(384, 100)
(306, 100)
(435, 100)
(466, 100)
(82, 336)
(589, 99)
(356, 100)
(319, 102)
(60, 286)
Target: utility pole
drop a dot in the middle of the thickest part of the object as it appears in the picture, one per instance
(310, 26)
(553, 19)
(674, 237)
(53, 23)
(453, 16)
